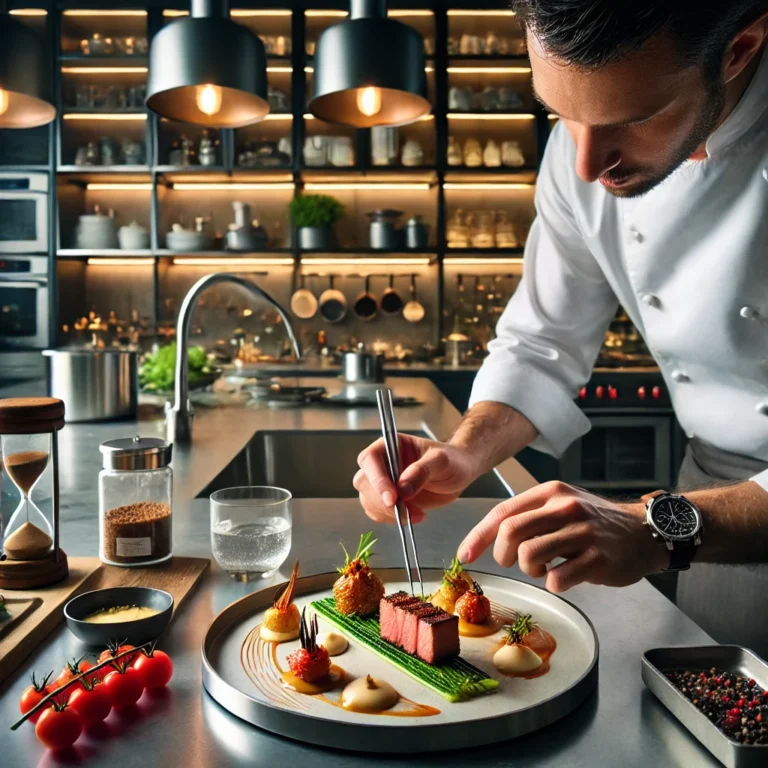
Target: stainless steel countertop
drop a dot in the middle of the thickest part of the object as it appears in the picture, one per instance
(620, 725)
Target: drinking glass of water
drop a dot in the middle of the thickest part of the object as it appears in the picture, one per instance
(251, 530)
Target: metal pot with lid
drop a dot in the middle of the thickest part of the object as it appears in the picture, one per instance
(383, 233)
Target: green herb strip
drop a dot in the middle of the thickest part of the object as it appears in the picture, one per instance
(457, 680)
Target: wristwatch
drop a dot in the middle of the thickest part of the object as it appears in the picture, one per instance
(677, 522)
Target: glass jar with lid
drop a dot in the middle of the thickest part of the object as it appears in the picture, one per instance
(135, 501)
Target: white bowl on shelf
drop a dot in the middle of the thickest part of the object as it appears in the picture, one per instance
(133, 237)
(187, 240)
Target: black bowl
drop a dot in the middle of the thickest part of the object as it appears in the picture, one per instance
(134, 632)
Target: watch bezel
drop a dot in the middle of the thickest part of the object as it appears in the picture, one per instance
(669, 536)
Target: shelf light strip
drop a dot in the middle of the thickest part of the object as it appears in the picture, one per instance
(406, 261)
(279, 116)
(488, 70)
(233, 261)
(28, 12)
(235, 13)
(235, 186)
(105, 116)
(142, 262)
(283, 70)
(466, 12)
(497, 185)
(474, 261)
(104, 70)
(310, 70)
(123, 186)
(491, 116)
(362, 187)
(86, 12)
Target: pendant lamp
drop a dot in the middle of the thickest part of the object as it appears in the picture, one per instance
(208, 70)
(369, 70)
(25, 76)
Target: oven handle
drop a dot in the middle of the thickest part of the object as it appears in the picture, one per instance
(24, 282)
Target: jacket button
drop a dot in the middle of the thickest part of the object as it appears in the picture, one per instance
(748, 313)
(680, 377)
(635, 235)
(762, 408)
(651, 301)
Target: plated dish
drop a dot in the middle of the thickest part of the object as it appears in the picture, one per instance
(365, 665)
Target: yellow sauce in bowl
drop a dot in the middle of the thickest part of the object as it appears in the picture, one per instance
(120, 613)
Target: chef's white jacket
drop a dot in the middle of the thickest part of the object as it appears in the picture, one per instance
(689, 263)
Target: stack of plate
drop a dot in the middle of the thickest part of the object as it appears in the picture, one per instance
(96, 232)
(186, 240)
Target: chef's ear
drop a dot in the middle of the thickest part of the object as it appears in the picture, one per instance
(745, 46)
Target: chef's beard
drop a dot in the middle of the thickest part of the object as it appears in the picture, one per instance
(647, 179)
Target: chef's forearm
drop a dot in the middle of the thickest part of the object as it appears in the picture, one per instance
(493, 432)
(735, 523)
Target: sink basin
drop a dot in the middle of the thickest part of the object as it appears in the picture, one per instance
(317, 465)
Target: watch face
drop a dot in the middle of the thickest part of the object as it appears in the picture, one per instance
(675, 517)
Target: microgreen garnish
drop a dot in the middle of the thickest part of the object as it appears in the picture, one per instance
(517, 631)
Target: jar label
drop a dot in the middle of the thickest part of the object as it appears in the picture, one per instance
(133, 547)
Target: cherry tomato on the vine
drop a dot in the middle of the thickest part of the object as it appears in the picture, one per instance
(125, 686)
(33, 695)
(73, 669)
(112, 651)
(92, 703)
(156, 668)
(58, 727)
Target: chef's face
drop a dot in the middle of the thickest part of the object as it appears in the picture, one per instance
(633, 121)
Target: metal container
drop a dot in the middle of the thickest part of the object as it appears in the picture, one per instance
(95, 384)
(416, 234)
(733, 658)
(383, 233)
(458, 348)
(315, 238)
(361, 366)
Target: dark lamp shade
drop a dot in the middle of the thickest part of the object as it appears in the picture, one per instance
(370, 52)
(24, 77)
(193, 52)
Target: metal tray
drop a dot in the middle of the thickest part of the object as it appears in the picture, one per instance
(658, 661)
(518, 707)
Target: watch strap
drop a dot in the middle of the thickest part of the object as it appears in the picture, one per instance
(680, 555)
(652, 495)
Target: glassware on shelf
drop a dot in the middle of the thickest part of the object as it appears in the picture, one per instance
(512, 154)
(473, 153)
(482, 229)
(412, 154)
(385, 145)
(457, 231)
(454, 152)
(506, 237)
(491, 154)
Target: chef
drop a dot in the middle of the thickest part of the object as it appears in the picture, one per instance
(653, 192)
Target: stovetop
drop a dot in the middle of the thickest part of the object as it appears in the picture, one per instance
(625, 387)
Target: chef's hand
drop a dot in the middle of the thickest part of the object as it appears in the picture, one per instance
(434, 474)
(602, 542)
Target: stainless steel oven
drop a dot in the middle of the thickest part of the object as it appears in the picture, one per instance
(24, 302)
(23, 213)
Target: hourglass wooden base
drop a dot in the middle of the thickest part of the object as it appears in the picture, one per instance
(29, 574)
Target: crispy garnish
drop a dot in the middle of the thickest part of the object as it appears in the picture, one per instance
(284, 595)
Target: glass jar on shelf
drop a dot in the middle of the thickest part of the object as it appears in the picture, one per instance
(506, 236)
(135, 501)
(457, 231)
(482, 228)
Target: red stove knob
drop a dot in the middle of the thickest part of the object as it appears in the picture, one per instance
(656, 393)
(583, 393)
(599, 392)
(641, 393)
(613, 393)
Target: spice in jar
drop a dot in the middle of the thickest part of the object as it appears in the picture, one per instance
(136, 533)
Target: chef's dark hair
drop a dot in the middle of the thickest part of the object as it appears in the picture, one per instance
(593, 33)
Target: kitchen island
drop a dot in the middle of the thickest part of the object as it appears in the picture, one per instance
(619, 724)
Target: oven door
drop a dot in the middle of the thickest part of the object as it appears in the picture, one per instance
(23, 213)
(622, 454)
(24, 313)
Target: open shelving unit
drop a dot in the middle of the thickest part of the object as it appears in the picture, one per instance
(155, 193)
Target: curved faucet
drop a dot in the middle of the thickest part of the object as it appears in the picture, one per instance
(178, 417)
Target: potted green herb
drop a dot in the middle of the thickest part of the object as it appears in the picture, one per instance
(314, 217)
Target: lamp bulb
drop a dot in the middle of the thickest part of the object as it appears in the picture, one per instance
(369, 101)
(4, 101)
(208, 98)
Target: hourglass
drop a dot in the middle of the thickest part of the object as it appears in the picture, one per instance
(29, 440)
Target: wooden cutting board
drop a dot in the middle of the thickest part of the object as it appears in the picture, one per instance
(43, 607)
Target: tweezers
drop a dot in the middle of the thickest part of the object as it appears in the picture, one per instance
(402, 514)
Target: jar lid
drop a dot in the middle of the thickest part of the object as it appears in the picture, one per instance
(136, 453)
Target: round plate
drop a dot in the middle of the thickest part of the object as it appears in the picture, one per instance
(239, 674)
